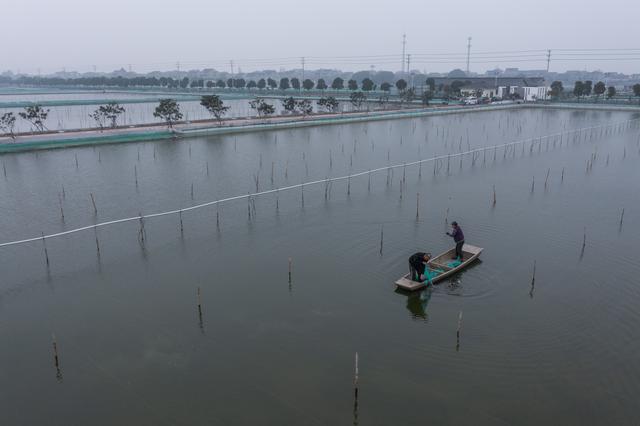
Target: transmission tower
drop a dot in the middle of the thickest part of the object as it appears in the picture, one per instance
(548, 59)
(404, 45)
(468, 53)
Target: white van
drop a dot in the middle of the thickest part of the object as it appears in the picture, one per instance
(471, 100)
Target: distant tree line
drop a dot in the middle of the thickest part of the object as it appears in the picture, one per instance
(587, 88)
(285, 83)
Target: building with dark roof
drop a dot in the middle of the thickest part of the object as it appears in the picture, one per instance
(482, 83)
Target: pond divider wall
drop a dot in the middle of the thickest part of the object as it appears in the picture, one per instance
(62, 140)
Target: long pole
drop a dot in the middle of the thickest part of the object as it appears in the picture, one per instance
(468, 52)
(404, 45)
(548, 59)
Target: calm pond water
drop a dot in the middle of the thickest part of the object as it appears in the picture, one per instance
(133, 349)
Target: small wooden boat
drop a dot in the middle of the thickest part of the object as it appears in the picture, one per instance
(441, 267)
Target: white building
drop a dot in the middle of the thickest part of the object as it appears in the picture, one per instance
(529, 94)
(526, 93)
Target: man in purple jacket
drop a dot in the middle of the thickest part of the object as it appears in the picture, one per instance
(458, 237)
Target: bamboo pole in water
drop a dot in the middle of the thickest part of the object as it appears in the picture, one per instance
(61, 209)
(458, 331)
(56, 358)
(546, 179)
(46, 253)
(621, 218)
(93, 201)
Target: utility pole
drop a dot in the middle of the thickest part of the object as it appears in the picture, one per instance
(404, 45)
(468, 53)
(548, 59)
(408, 62)
(302, 71)
(231, 62)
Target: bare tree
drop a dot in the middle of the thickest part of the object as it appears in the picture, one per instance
(35, 115)
(8, 124)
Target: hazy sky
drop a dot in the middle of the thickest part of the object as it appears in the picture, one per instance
(258, 34)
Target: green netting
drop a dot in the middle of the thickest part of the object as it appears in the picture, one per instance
(89, 140)
(297, 123)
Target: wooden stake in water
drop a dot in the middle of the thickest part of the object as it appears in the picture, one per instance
(93, 201)
(46, 253)
(181, 225)
(61, 209)
(533, 279)
(76, 156)
(546, 179)
(621, 218)
(458, 331)
(356, 375)
(200, 323)
(56, 358)
(381, 239)
(95, 231)
(290, 267)
(494, 195)
(533, 184)
(135, 174)
(141, 233)
(417, 206)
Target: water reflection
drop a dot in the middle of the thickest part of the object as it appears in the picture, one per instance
(417, 302)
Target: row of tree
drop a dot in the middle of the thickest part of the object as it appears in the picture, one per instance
(168, 110)
(284, 83)
(36, 115)
(587, 88)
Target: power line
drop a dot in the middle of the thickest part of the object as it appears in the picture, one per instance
(460, 58)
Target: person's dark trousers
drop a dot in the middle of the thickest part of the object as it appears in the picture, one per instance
(413, 272)
(416, 271)
(459, 249)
